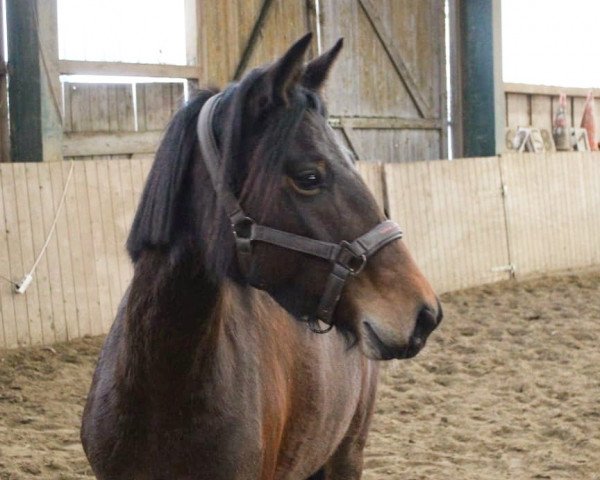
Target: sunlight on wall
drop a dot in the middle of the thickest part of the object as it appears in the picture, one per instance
(551, 42)
(141, 31)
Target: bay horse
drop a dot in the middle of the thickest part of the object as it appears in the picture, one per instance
(254, 231)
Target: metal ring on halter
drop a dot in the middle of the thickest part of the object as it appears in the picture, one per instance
(313, 324)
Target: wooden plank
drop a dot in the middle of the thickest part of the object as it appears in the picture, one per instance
(455, 80)
(396, 57)
(112, 245)
(121, 227)
(348, 133)
(156, 104)
(552, 210)
(541, 112)
(372, 174)
(386, 123)
(518, 113)
(226, 31)
(395, 146)
(41, 282)
(102, 322)
(127, 187)
(52, 256)
(10, 337)
(138, 180)
(192, 28)
(81, 144)
(590, 183)
(93, 324)
(81, 67)
(27, 252)
(457, 242)
(13, 240)
(103, 108)
(253, 39)
(65, 251)
(548, 90)
(438, 11)
(79, 325)
(50, 86)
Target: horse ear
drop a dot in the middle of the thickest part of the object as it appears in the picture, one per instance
(287, 71)
(317, 70)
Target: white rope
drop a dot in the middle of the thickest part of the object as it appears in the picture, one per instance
(21, 287)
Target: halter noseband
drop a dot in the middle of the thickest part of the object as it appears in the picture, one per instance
(348, 258)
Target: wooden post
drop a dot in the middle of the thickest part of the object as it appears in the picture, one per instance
(4, 135)
(481, 78)
(34, 87)
(192, 39)
(455, 79)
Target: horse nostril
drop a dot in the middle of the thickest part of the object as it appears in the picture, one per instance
(426, 322)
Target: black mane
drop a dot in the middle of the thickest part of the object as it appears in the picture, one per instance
(157, 214)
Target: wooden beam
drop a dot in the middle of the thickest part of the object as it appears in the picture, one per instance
(348, 132)
(24, 90)
(549, 90)
(251, 43)
(4, 131)
(455, 79)
(440, 52)
(80, 67)
(51, 90)
(390, 123)
(84, 144)
(481, 74)
(388, 43)
(192, 39)
(34, 86)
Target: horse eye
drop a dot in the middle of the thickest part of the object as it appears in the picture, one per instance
(309, 180)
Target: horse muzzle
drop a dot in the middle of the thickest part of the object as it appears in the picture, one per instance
(379, 344)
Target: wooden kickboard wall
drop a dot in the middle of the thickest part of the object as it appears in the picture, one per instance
(466, 222)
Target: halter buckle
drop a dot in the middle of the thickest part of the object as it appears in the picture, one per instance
(243, 231)
(350, 259)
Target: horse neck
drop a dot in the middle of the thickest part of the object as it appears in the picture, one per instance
(167, 320)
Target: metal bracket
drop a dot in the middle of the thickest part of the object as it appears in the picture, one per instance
(510, 268)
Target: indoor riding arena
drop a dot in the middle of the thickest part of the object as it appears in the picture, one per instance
(499, 209)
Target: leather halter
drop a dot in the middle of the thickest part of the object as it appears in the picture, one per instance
(348, 258)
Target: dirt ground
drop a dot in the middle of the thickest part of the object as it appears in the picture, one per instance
(508, 388)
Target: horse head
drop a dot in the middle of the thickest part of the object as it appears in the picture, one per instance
(281, 163)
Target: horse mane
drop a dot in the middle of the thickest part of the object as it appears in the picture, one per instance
(156, 216)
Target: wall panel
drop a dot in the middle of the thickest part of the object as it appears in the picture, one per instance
(453, 217)
(459, 225)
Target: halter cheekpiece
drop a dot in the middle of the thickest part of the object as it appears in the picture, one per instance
(348, 258)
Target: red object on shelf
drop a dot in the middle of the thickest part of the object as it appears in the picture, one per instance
(588, 121)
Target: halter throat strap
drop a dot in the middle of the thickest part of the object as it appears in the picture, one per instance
(348, 258)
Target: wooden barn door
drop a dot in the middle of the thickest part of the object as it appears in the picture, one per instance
(386, 94)
(238, 35)
(388, 91)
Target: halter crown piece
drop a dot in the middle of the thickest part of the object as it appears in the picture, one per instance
(348, 258)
